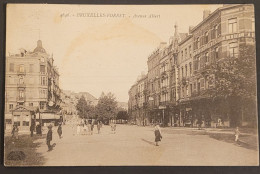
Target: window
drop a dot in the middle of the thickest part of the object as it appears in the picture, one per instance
(218, 31)
(21, 68)
(21, 94)
(11, 106)
(190, 68)
(31, 67)
(25, 123)
(21, 81)
(186, 53)
(182, 92)
(182, 71)
(190, 50)
(17, 123)
(207, 57)
(214, 32)
(190, 88)
(11, 68)
(182, 55)
(232, 25)
(233, 49)
(206, 37)
(41, 105)
(42, 68)
(186, 70)
(8, 121)
(30, 104)
(198, 43)
(43, 81)
(216, 53)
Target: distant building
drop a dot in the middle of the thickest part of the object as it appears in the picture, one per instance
(32, 87)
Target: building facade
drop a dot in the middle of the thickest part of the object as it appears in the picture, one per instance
(32, 87)
(181, 73)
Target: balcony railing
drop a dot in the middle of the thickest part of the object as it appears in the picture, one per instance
(21, 99)
(164, 103)
(21, 72)
(21, 85)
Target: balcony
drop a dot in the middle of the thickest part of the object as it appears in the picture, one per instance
(21, 72)
(21, 85)
(20, 99)
(164, 103)
(164, 89)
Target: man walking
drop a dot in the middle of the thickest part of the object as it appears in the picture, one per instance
(49, 138)
(32, 129)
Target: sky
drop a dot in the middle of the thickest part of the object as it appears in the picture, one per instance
(98, 48)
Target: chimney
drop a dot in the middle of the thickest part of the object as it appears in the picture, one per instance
(206, 13)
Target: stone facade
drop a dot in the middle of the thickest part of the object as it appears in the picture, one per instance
(179, 73)
(32, 86)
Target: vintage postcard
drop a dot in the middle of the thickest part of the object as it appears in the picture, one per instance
(130, 85)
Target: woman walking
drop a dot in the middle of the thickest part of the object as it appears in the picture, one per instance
(59, 130)
(15, 131)
(98, 126)
(157, 133)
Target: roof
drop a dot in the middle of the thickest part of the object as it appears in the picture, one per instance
(212, 14)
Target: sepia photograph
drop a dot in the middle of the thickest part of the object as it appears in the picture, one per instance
(130, 85)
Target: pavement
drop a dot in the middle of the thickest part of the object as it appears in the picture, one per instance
(133, 145)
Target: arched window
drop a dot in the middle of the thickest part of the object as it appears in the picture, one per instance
(207, 57)
(206, 37)
(216, 53)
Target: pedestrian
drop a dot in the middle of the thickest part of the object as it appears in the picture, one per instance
(49, 138)
(32, 129)
(89, 128)
(237, 133)
(199, 122)
(92, 127)
(157, 133)
(78, 129)
(85, 129)
(59, 130)
(15, 131)
(39, 129)
(98, 126)
(113, 127)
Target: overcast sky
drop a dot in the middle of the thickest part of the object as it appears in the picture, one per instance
(96, 54)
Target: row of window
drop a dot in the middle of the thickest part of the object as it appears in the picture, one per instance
(186, 69)
(187, 53)
(21, 68)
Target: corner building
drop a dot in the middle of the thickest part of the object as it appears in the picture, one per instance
(32, 87)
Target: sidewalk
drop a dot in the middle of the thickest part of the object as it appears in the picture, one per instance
(248, 137)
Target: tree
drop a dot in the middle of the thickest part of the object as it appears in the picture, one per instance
(107, 106)
(122, 115)
(84, 109)
(235, 82)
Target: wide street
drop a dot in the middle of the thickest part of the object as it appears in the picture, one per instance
(133, 145)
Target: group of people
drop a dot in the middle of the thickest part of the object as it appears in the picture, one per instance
(86, 128)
